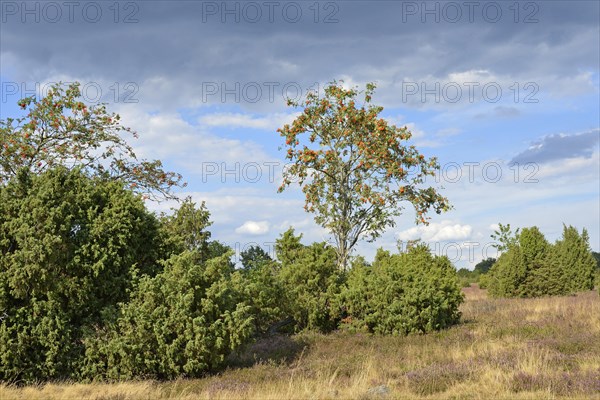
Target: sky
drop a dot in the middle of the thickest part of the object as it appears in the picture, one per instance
(506, 94)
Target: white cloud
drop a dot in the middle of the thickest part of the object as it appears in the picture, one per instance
(437, 232)
(167, 136)
(572, 168)
(237, 120)
(254, 228)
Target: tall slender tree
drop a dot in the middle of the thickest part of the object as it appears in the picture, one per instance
(355, 168)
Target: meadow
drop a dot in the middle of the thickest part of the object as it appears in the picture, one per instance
(543, 348)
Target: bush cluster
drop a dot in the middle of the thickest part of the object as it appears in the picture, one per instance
(532, 267)
(95, 287)
(181, 322)
(92, 285)
(70, 247)
(412, 292)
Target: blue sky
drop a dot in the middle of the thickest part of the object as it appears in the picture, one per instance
(481, 85)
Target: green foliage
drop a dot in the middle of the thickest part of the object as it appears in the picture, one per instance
(263, 292)
(484, 281)
(254, 257)
(217, 249)
(260, 284)
(540, 277)
(185, 230)
(354, 166)
(596, 256)
(477, 275)
(181, 323)
(484, 266)
(310, 280)
(532, 267)
(575, 258)
(507, 275)
(60, 129)
(465, 282)
(70, 247)
(412, 292)
(520, 270)
(505, 237)
(288, 247)
(467, 277)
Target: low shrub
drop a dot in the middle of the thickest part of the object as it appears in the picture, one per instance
(412, 292)
(311, 281)
(181, 323)
(70, 245)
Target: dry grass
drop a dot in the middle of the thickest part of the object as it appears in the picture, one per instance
(505, 349)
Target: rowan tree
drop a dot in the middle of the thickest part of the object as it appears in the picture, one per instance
(60, 129)
(354, 167)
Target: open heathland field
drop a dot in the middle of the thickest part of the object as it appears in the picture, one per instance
(545, 348)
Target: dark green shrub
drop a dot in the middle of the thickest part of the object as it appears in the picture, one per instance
(536, 254)
(518, 271)
(311, 281)
(181, 323)
(574, 257)
(532, 267)
(185, 229)
(254, 257)
(259, 282)
(484, 266)
(69, 247)
(412, 292)
(263, 292)
(507, 274)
